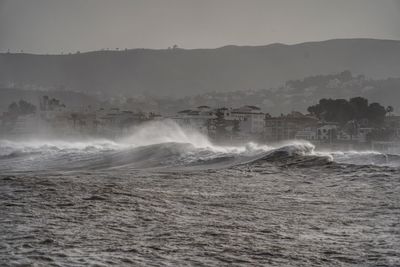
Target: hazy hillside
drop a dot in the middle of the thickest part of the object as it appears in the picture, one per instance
(72, 100)
(180, 72)
(300, 94)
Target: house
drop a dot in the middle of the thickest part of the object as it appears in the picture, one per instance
(327, 132)
(386, 146)
(197, 119)
(252, 120)
(308, 134)
(393, 122)
(363, 133)
(292, 126)
(203, 119)
(26, 125)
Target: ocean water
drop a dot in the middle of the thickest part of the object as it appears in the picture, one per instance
(164, 196)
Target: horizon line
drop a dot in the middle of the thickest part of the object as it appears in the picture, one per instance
(22, 52)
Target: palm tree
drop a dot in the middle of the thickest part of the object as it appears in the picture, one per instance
(389, 109)
(236, 128)
(74, 117)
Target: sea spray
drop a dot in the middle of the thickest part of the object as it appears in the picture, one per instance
(162, 144)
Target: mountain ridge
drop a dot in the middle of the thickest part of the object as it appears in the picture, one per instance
(180, 72)
(212, 48)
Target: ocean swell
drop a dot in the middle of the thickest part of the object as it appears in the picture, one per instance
(164, 144)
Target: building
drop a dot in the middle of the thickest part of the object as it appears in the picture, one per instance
(51, 108)
(25, 125)
(308, 134)
(205, 119)
(327, 132)
(386, 146)
(393, 122)
(292, 126)
(197, 119)
(363, 133)
(252, 120)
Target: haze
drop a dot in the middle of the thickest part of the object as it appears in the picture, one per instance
(55, 26)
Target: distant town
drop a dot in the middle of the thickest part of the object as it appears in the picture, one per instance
(331, 123)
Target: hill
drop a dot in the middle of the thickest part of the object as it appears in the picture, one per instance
(73, 100)
(299, 94)
(180, 72)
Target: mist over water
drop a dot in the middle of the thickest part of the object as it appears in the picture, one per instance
(162, 144)
(168, 195)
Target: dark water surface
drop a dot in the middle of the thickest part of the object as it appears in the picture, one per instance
(278, 212)
(171, 198)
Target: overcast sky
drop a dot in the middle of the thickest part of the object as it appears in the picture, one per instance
(55, 26)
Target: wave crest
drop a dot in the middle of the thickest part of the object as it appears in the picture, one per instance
(163, 144)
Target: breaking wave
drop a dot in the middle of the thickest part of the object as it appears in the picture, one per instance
(164, 144)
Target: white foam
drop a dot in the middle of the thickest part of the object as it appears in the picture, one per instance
(151, 133)
(165, 131)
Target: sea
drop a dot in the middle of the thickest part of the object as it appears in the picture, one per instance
(167, 196)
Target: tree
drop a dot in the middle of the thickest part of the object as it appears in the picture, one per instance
(220, 124)
(236, 128)
(209, 124)
(351, 128)
(376, 114)
(389, 109)
(381, 135)
(334, 110)
(26, 108)
(345, 76)
(343, 111)
(359, 106)
(74, 117)
(332, 133)
(21, 108)
(13, 109)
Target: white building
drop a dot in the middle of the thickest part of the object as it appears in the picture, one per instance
(327, 132)
(292, 126)
(198, 119)
(363, 134)
(252, 120)
(27, 125)
(308, 133)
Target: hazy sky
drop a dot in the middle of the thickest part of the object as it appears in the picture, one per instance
(53, 26)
